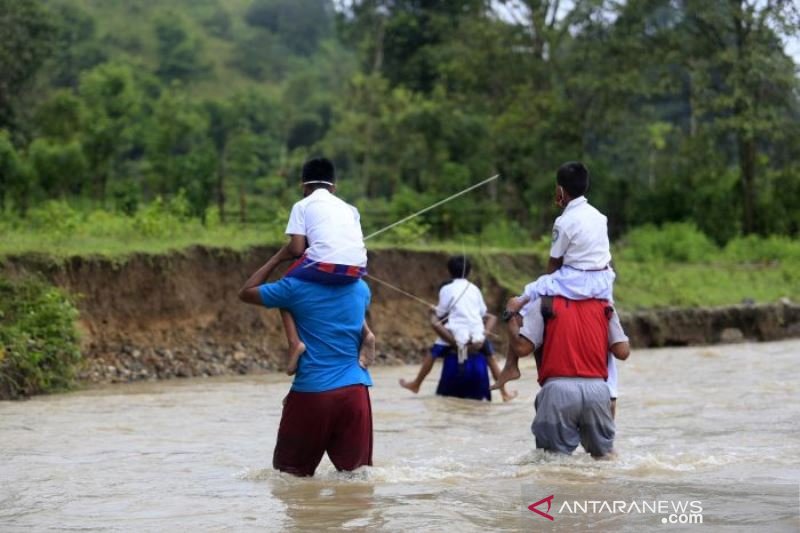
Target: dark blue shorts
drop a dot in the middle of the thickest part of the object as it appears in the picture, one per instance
(470, 380)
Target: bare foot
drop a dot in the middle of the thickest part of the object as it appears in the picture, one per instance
(367, 354)
(506, 395)
(510, 372)
(295, 352)
(413, 386)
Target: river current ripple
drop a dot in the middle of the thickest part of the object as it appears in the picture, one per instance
(717, 425)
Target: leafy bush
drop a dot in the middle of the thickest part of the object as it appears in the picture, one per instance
(680, 242)
(38, 340)
(504, 233)
(410, 232)
(161, 218)
(762, 249)
(55, 217)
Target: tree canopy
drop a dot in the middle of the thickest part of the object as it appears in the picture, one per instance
(684, 111)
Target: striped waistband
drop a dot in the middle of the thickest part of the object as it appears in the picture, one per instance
(329, 268)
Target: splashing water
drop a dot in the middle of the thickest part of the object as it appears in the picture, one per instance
(196, 454)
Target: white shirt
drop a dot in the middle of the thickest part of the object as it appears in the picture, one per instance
(580, 236)
(462, 302)
(332, 228)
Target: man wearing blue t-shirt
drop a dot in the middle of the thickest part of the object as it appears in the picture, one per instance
(328, 407)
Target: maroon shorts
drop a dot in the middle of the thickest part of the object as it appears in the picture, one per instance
(338, 421)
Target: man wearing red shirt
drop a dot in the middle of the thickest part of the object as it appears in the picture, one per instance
(574, 405)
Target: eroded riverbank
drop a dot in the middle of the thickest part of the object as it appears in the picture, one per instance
(177, 315)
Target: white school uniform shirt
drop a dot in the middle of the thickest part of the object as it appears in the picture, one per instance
(332, 228)
(462, 302)
(580, 236)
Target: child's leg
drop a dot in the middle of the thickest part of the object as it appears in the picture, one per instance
(424, 370)
(366, 356)
(495, 370)
(535, 290)
(296, 346)
(510, 371)
(445, 334)
(614, 408)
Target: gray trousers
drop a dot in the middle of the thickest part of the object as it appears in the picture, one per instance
(572, 411)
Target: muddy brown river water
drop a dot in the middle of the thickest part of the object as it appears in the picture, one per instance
(707, 434)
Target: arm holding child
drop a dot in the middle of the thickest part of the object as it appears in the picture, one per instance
(249, 293)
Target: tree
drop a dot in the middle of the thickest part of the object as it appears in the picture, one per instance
(221, 119)
(62, 116)
(28, 30)
(9, 167)
(401, 39)
(59, 167)
(179, 51)
(16, 177)
(113, 99)
(247, 134)
(743, 81)
(76, 45)
(179, 151)
(299, 24)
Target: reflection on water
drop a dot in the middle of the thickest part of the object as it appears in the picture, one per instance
(713, 424)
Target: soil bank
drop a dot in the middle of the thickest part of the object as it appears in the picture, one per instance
(178, 315)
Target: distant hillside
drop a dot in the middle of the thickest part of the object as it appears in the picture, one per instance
(219, 47)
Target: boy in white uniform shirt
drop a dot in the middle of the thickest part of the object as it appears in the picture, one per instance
(461, 304)
(325, 232)
(461, 319)
(580, 257)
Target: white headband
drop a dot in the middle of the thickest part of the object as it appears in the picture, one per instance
(328, 183)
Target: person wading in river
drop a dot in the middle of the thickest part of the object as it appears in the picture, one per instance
(328, 407)
(574, 405)
(460, 318)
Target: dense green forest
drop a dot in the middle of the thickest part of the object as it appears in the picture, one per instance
(684, 111)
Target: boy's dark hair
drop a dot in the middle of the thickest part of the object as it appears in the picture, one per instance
(574, 177)
(459, 266)
(319, 169)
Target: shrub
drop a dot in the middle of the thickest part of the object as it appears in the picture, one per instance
(763, 249)
(504, 233)
(411, 232)
(55, 217)
(681, 242)
(163, 218)
(38, 340)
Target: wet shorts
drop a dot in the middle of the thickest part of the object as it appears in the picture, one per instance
(338, 422)
(469, 380)
(572, 411)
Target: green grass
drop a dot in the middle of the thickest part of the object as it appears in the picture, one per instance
(60, 246)
(652, 284)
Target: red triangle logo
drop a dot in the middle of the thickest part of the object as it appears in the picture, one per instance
(533, 507)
